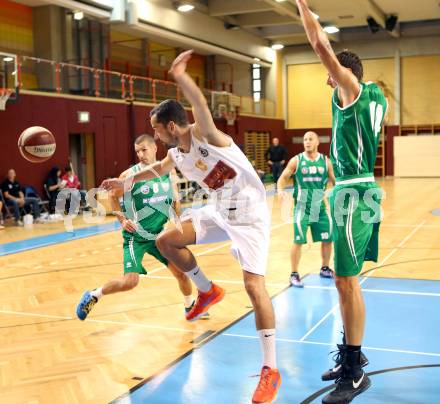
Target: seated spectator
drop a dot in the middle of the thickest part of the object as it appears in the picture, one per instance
(71, 180)
(53, 185)
(2, 222)
(14, 197)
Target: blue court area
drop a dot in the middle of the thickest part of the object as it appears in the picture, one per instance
(56, 238)
(401, 343)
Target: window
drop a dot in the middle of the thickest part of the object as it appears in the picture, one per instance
(256, 82)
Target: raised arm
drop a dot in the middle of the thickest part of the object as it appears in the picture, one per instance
(345, 79)
(152, 171)
(287, 173)
(204, 123)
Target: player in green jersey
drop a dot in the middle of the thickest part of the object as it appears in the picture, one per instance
(146, 211)
(358, 110)
(311, 171)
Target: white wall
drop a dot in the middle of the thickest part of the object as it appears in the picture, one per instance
(376, 48)
(417, 156)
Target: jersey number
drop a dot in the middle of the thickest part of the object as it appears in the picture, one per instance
(376, 114)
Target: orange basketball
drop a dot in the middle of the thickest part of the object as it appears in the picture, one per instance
(36, 144)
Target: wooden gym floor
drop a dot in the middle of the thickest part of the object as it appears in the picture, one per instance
(47, 355)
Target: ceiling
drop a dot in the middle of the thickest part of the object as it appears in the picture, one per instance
(279, 21)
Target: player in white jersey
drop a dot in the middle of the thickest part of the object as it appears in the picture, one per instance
(238, 212)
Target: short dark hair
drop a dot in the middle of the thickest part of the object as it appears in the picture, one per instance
(144, 138)
(352, 61)
(170, 110)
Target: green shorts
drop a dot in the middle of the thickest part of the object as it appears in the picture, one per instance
(321, 229)
(356, 214)
(134, 251)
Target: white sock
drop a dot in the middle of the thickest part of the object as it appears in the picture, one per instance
(267, 342)
(199, 278)
(96, 292)
(188, 300)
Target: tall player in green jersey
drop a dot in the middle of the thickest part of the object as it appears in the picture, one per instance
(311, 171)
(358, 110)
(146, 208)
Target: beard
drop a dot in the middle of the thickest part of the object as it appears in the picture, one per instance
(171, 141)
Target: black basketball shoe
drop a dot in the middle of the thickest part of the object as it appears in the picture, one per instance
(352, 382)
(336, 371)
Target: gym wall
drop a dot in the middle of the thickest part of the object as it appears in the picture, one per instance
(309, 98)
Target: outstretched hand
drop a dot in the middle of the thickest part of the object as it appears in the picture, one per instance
(178, 67)
(113, 184)
(127, 224)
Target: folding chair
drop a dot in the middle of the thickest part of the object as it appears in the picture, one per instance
(31, 192)
(5, 206)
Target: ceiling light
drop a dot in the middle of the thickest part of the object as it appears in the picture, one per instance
(185, 7)
(78, 15)
(257, 59)
(316, 16)
(277, 46)
(331, 29)
(8, 59)
(280, 1)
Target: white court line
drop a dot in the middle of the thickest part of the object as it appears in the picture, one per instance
(125, 323)
(390, 254)
(186, 331)
(409, 225)
(393, 251)
(386, 291)
(281, 285)
(295, 341)
(132, 324)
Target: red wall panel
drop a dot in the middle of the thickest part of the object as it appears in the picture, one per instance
(59, 115)
(115, 126)
(252, 123)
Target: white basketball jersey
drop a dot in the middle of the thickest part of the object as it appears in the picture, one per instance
(223, 172)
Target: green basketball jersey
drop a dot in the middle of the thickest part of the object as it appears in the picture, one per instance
(310, 181)
(356, 132)
(148, 204)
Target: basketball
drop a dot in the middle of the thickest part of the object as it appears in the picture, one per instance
(190, 172)
(36, 144)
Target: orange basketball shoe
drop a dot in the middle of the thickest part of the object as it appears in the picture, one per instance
(267, 389)
(204, 301)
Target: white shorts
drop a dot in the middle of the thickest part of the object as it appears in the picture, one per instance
(249, 233)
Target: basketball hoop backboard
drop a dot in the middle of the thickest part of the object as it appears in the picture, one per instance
(8, 78)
